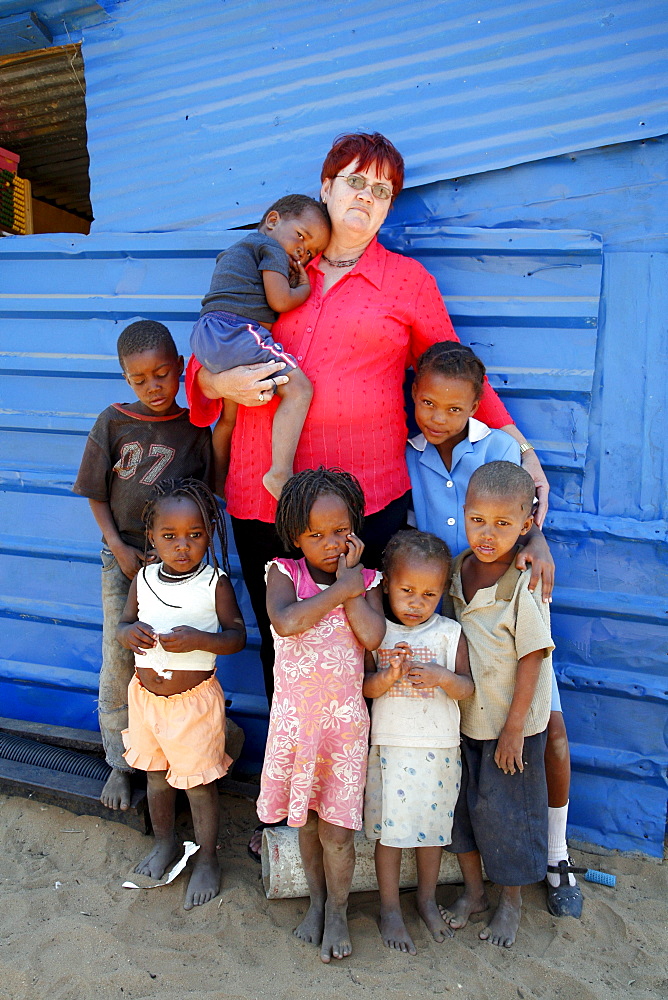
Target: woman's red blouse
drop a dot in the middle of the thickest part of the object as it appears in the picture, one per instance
(354, 343)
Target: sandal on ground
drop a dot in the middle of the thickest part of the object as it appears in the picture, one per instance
(564, 900)
(257, 855)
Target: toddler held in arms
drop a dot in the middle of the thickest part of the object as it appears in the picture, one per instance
(256, 279)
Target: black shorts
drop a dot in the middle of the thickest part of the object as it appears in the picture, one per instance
(503, 816)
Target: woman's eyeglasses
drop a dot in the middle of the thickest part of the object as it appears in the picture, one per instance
(358, 182)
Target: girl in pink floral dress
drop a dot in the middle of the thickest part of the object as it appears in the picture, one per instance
(325, 610)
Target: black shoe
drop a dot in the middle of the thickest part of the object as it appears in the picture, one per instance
(564, 900)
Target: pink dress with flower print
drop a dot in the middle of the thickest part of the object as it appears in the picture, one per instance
(318, 727)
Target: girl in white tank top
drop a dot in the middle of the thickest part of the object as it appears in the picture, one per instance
(180, 614)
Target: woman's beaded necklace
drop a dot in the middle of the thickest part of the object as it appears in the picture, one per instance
(341, 263)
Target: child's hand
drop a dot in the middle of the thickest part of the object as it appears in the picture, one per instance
(182, 639)
(129, 559)
(400, 661)
(427, 675)
(139, 637)
(355, 550)
(297, 275)
(508, 754)
(350, 576)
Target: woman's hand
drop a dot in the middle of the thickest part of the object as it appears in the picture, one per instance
(535, 469)
(247, 385)
(536, 553)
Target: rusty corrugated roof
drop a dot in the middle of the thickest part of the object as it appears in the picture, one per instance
(43, 119)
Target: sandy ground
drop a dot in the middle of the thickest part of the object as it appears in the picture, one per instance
(69, 931)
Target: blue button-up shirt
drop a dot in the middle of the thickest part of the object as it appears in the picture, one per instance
(439, 494)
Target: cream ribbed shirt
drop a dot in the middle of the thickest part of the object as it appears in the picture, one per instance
(502, 624)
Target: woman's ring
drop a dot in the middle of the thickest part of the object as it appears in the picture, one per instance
(261, 398)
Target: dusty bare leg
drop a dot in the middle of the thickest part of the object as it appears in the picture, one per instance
(338, 857)
(222, 443)
(502, 928)
(474, 898)
(392, 927)
(117, 791)
(310, 849)
(288, 422)
(161, 797)
(205, 880)
(428, 860)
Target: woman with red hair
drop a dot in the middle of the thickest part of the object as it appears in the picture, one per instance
(370, 315)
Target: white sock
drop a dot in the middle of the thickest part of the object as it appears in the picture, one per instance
(557, 848)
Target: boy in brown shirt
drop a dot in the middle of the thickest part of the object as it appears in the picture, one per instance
(501, 814)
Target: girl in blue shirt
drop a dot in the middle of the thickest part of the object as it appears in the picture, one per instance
(441, 459)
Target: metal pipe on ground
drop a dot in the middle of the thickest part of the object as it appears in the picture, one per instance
(283, 876)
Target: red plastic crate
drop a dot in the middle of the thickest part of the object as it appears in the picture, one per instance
(9, 161)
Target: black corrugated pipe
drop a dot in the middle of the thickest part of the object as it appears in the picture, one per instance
(24, 751)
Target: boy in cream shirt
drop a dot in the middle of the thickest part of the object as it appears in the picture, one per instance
(501, 814)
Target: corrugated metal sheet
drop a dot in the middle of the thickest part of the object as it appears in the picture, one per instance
(43, 119)
(199, 115)
(541, 290)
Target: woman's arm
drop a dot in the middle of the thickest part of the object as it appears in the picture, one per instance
(366, 618)
(244, 384)
(535, 469)
(232, 638)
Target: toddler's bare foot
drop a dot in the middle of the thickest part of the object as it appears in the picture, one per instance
(311, 927)
(117, 792)
(464, 908)
(434, 920)
(336, 936)
(393, 931)
(204, 882)
(275, 480)
(502, 928)
(158, 861)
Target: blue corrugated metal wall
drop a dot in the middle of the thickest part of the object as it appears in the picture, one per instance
(188, 103)
(592, 393)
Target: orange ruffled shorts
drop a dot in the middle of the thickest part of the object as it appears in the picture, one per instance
(182, 734)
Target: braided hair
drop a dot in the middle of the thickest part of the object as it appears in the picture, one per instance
(206, 503)
(453, 360)
(420, 544)
(300, 493)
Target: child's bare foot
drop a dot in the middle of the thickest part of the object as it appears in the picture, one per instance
(434, 920)
(336, 936)
(502, 928)
(204, 882)
(393, 931)
(117, 791)
(466, 907)
(311, 927)
(156, 863)
(275, 480)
